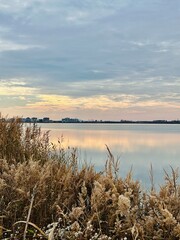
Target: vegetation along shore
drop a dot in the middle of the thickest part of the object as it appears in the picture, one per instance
(45, 194)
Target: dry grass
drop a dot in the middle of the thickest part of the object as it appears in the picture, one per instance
(43, 188)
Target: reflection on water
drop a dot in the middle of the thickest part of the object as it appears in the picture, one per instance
(138, 146)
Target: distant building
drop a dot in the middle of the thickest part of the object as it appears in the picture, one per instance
(70, 120)
(46, 120)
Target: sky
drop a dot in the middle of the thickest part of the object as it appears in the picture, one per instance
(90, 59)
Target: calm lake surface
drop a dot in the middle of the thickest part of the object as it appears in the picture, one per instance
(137, 145)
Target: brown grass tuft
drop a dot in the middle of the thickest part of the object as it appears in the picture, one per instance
(70, 202)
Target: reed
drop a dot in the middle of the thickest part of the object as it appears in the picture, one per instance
(73, 202)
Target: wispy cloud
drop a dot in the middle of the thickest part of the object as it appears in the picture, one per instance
(6, 45)
(68, 11)
(100, 103)
(16, 87)
(172, 46)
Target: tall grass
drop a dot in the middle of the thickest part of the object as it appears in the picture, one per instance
(19, 143)
(43, 188)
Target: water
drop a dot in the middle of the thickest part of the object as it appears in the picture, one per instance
(137, 146)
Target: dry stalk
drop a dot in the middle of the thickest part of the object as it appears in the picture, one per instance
(112, 164)
(151, 176)
(174, 179)
(29, 212)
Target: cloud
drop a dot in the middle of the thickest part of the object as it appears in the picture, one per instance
(16, 87)
(172, 46)
(68, 103)
(62, 12)
(79, 53)
(14, 6)
(6, 45)
(99, 102)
